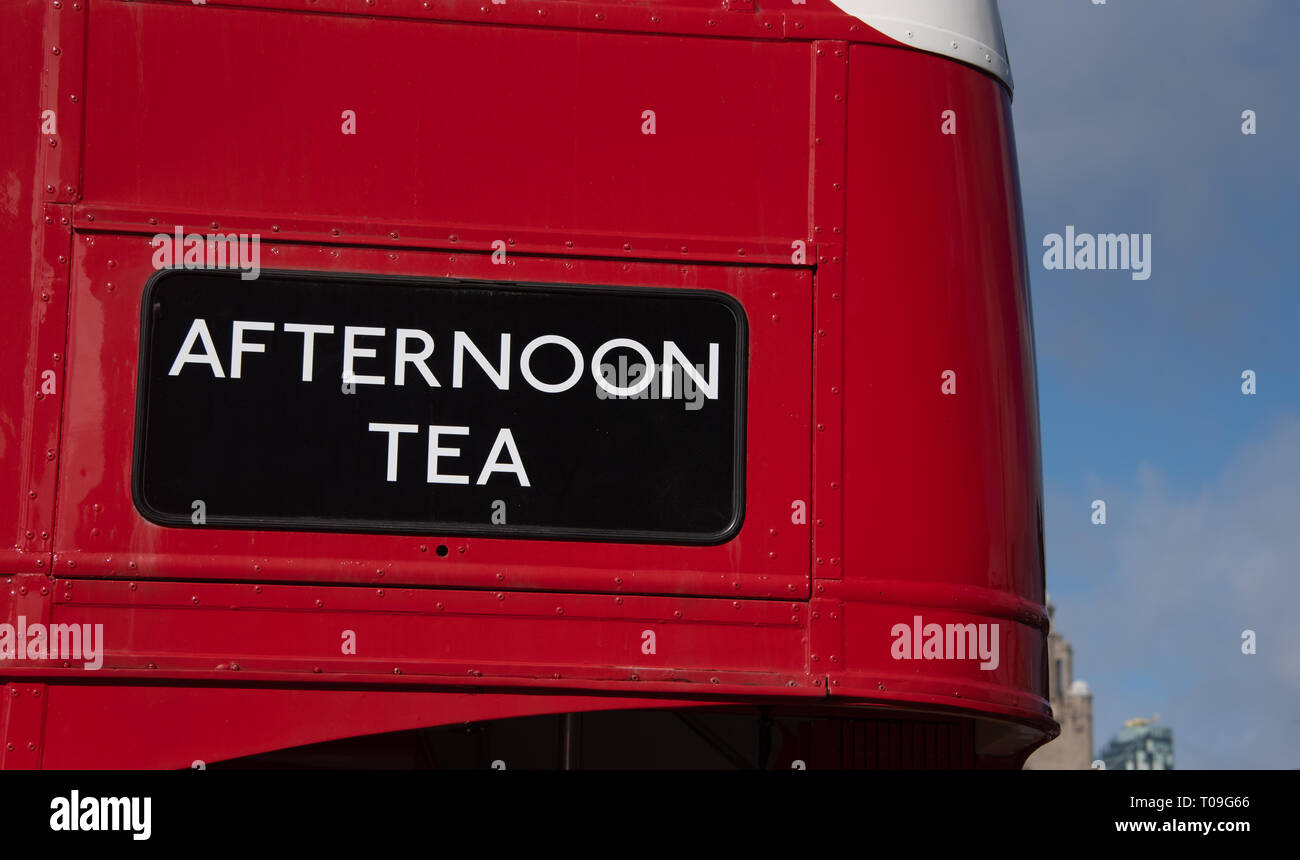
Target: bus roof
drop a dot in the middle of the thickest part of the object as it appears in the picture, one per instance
(966, 30)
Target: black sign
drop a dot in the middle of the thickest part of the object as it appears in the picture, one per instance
(366, 404)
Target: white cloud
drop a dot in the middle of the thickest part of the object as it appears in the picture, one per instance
(1161, 631)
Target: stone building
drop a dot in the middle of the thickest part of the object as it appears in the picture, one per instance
(1071, 705)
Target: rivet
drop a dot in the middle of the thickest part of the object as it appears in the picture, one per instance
(319, 604)
(194, 599)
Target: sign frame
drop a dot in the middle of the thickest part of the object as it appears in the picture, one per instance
(355, 526)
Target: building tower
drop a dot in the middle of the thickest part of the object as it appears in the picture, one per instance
(1140, 745)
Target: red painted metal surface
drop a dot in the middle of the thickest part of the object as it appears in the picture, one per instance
(797, 166)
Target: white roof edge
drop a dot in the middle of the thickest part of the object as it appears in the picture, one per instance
(966, 30)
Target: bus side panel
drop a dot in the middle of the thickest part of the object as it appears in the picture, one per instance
(25, 511)
(943, 480)
(602, 139)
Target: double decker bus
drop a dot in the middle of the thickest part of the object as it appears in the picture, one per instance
(503, 384)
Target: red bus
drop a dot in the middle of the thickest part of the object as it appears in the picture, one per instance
(434, 383)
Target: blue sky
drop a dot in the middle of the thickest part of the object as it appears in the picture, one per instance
(1128, 119)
